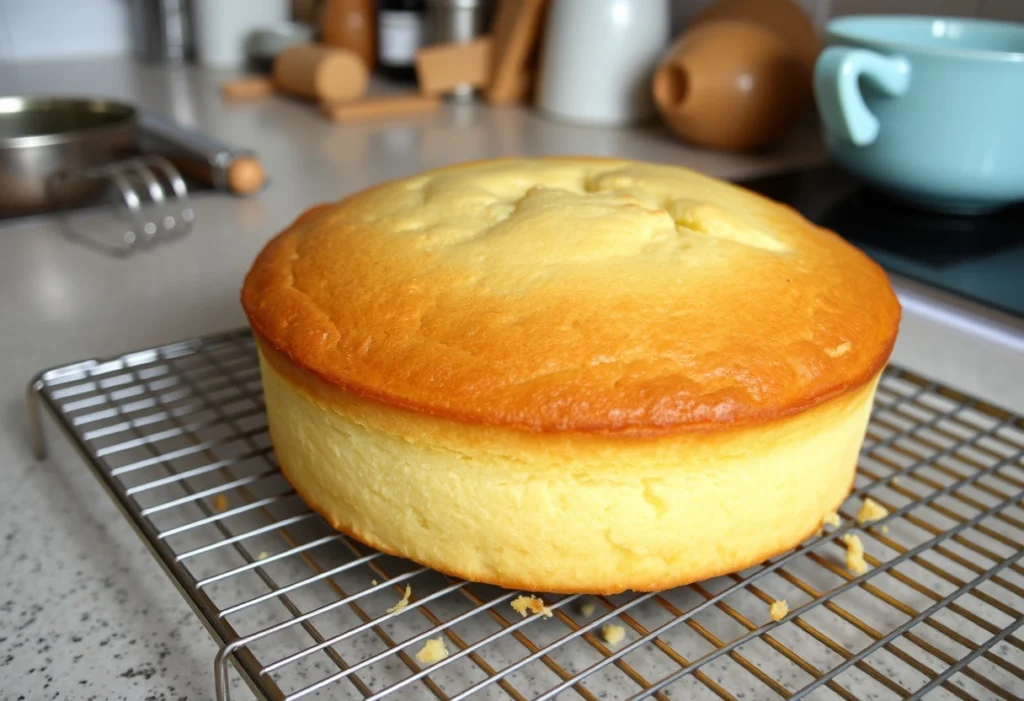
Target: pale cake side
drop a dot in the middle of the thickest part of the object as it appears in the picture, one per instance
(560, 512)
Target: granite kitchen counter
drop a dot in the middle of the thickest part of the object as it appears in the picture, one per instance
(85, 612)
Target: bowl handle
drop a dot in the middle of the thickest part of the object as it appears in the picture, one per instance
(837, 89)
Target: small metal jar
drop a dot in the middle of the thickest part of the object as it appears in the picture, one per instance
(457, 22)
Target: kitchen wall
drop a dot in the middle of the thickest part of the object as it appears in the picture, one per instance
(42, 29)
(45, 29)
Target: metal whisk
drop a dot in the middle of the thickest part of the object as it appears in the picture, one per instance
(149, 196)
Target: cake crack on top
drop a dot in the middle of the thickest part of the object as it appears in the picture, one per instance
(601, 194)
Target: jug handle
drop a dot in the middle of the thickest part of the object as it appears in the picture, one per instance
(837, 75)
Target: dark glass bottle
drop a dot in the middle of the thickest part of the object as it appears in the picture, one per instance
(401, 32)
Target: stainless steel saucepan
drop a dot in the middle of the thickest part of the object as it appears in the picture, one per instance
(42, 137)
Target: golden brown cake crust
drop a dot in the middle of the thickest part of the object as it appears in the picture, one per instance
(574, 295)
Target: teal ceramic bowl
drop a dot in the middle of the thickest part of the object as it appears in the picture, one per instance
(928, 109)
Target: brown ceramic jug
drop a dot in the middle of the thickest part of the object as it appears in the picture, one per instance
(740, 76)
(784, 18)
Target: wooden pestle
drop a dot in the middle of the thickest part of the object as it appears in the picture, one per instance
(320, 72)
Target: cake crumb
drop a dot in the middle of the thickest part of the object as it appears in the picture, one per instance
(612, 634)
(884, 528)
(587, 609)
(525, 605)
(433, 650)
(220, 502)
(871, 511)
(779, 609)
(894, 480)
(855, 554)
(831, 519)
(263, 555)
(373, 582)
(403, 602)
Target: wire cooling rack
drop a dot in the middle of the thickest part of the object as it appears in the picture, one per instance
(178, 436)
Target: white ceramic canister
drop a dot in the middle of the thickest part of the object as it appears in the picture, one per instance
(598, 57)
(222, 27)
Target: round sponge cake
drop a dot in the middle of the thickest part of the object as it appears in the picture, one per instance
(565, 374)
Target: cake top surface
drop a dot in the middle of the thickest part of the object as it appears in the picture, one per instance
(569, 294)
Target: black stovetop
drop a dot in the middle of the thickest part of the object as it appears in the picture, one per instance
(981, 258)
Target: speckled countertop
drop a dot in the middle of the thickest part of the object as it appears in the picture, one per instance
(85, 612)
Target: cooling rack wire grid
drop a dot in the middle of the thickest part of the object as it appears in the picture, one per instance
(177, 435)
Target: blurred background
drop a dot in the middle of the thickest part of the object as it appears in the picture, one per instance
(42, 29)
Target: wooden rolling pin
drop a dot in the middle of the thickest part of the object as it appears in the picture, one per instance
(201, 157)
(320, 72)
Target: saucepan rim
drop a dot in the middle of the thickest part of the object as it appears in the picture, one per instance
(122, 115)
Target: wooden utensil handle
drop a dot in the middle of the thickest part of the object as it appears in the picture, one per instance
(375, 108)
(248, 88)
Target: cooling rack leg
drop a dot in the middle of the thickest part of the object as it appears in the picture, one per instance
(35, 419)
(220, 673)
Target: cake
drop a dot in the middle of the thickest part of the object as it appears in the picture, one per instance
(568, 374)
